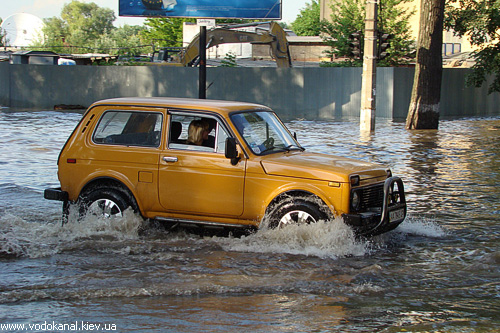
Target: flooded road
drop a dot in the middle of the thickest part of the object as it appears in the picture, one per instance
(438, 271)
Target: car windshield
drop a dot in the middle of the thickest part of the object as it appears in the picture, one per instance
(263, 132)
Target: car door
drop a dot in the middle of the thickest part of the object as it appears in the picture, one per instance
(125, 145)
(199, 179)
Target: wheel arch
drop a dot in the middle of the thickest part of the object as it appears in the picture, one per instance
(296, 193)
(111, 183)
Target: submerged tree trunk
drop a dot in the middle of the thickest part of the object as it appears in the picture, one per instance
(424, 105)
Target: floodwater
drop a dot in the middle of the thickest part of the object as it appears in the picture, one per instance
(437, 272)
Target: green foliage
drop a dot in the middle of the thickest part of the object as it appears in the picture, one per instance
(55, 34)
(307, 22)
(229, 60)
(284, 25)
(480, 22)
(124, 40)
(164, 32)
(85, 27)
(2, 34)
(86, 21)
(348, 16)
(344, 63)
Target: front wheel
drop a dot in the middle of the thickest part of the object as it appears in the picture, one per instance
(296, 211)
(103, 202)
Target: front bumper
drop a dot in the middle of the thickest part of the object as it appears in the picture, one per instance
(55, 194)
(378, 220)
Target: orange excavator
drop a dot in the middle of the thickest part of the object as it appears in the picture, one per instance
(275, 37)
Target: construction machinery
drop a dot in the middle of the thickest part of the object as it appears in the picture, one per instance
(275, 37)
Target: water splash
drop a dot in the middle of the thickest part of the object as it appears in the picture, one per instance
(21, 238)
(324, 239)
(422, 227)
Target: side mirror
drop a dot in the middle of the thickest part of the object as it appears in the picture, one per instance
(231, 151)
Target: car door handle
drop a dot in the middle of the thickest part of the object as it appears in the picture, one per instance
(170, 159)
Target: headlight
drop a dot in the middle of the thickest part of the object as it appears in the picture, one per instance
(355, 201)
(393, 196)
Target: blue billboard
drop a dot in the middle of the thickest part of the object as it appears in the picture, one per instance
(244, 9)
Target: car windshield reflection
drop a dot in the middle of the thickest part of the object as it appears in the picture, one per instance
(263, 132)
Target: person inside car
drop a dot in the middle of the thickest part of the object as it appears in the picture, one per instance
(209, 140)
(197, 132)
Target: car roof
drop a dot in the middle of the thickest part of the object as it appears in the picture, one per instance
(218, 106)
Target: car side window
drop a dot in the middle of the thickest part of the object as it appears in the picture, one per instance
(198, 133)
(129, 128)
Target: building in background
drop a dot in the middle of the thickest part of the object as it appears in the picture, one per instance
(21, 30)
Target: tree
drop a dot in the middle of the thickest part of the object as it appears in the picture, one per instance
(86, 21)
(81, 24)
(55, 33)
(426, 93)
(2, 34)
(348, 16)
(123, 40)
(480, 22)
(164, 31)
(85, 27)
(307, 22)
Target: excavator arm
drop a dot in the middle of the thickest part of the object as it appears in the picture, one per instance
(275, 38)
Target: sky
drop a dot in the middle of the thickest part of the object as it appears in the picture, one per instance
(50, 8)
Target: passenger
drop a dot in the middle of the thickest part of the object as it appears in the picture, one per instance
(197, 132)
(209, 140)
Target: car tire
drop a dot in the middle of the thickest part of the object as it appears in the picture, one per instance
(103, 202)
(295, 211)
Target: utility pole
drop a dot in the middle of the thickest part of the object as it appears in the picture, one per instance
(368, 89)
(202, 51)
(202, 77)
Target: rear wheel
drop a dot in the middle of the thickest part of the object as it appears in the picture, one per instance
(103, 202)
(295, 211)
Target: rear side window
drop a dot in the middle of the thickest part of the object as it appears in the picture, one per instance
(129, 128)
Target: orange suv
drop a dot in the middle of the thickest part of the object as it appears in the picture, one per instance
(215, 163)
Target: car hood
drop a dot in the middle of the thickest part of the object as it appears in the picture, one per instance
(320, 167)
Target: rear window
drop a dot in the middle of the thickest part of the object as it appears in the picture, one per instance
(129, 128)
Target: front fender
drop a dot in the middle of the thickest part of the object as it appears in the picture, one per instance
(321, 191)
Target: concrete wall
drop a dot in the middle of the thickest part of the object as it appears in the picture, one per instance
(310, 93)
(4, 84)
(45, 86)
(457, 99)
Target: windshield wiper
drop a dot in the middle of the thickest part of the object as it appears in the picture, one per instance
(287, 148)
(268, 149)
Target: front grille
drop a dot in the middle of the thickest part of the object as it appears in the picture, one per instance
(371, 196)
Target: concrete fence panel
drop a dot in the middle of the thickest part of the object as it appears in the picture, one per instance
(308, 93)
